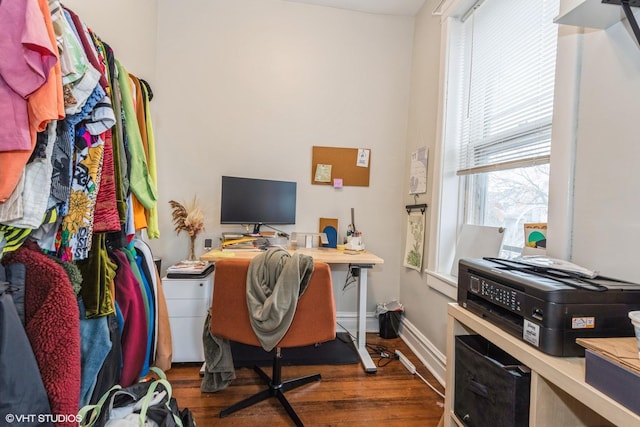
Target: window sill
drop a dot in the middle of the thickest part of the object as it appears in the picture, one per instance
(446, 284)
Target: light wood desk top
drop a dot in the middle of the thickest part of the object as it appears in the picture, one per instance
(328, 255)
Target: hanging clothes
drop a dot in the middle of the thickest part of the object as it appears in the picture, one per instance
(73, 61)
(120, 159)
(105, 218)
(52, 323)
(89, 48)
(32, 201)
(15, 275)
(25, 68)
(140, 181)
(110, 371)
(24, 73)
(139, 211)
(152, 296)
(47, 103)
(80, 153)
(153, 229)
(11, 238)
(62, 162)
(17, 363)
(148, 303)
(77, 232)
(162, 346)
(95, 344)
(134, 329)
(98, 272)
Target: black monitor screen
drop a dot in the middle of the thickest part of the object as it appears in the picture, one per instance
(257, 201)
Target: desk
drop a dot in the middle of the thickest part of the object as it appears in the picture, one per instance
(359, 263)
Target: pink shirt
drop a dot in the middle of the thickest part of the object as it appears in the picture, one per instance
(27, 57)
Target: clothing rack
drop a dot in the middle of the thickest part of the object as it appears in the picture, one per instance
(58, 335)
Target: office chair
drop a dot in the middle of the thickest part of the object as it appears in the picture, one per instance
(314, 322)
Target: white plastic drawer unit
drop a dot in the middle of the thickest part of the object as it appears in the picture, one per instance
(188, 288)
(188, 301)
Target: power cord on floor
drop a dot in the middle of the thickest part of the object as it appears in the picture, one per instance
(385, 357)
(397, 355)
(412, 370)
(429, 385)
(378, 350)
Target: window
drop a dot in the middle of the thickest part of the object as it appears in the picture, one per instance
(497, 124)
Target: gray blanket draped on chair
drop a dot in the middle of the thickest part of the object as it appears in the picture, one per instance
(275, 281)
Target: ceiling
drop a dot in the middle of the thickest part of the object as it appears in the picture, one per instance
(386, 7)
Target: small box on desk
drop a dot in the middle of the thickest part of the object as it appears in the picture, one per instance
(612, 366)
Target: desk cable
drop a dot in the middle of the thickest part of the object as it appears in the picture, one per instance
(349, 280)
(385, 357)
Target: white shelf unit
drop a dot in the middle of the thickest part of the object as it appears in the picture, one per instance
(188, 301)
(559, 394)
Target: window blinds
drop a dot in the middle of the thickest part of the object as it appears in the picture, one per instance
(508, 60)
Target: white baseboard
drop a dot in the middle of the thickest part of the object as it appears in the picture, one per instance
(432, 358)
(349, 321)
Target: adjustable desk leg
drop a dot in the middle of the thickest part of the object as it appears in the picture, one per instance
(361, 334)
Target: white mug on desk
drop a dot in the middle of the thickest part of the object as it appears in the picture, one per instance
(355, 243)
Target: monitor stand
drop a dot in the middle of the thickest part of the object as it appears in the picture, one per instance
(256, 228)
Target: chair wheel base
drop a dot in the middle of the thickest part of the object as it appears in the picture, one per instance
(276, 389)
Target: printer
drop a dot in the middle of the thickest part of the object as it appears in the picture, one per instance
(546, 308)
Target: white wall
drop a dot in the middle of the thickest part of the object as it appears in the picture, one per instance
(606, 221)
(594, 178)
(129, 27)
(247, 87)
(425, 308)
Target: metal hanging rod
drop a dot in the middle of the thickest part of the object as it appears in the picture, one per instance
(422, 207)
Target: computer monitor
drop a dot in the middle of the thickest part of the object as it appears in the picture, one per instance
(257, 202)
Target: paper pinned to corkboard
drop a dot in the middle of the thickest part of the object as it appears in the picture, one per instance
(323, 173)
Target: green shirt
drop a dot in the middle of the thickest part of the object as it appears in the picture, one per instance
(140, 180)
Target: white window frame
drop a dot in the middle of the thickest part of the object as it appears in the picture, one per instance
(447, 199)
(443, 227)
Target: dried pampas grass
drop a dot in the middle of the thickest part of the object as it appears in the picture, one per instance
(188, 218)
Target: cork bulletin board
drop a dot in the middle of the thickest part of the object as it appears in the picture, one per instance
(343, 163)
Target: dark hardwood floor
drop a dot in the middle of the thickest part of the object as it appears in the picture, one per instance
(346, 395)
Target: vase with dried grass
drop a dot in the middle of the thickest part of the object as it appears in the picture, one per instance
(189, 218)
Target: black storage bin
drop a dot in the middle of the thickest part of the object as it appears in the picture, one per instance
(492, 388)
(389, 323)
